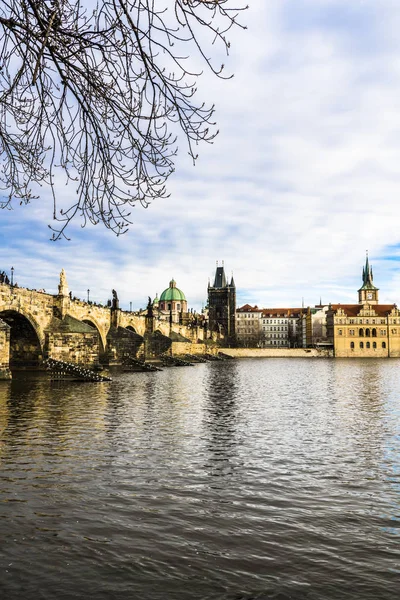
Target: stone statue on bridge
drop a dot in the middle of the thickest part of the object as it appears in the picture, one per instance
(150, 308)
(115, 301)
(63, 285)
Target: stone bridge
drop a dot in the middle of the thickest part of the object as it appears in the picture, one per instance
(35, 325)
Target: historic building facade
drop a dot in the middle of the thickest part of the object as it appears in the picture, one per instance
(366, 329)
(249, 332)
(222, 305)
(312, 332)
(280, 327)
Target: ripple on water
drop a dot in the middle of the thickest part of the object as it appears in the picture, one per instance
(234, 481)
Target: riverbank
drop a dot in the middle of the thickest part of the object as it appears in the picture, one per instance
(277, 352)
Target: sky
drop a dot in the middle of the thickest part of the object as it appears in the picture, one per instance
(302, 179)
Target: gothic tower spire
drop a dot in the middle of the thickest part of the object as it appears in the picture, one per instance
(368, 293)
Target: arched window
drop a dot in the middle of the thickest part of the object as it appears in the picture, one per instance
(383, 344)
(374, 332)
(367, 332)
(361, 333)
(368, 345)
(374, 344)
(361, 344)
(351, 344)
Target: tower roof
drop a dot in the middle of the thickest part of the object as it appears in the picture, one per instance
(367, 277)
(220, 278)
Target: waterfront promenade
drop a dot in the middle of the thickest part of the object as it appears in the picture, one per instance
(277, 352)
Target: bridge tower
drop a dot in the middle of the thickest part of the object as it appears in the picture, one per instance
(222, 305)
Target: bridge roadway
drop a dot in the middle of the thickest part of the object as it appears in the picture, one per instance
(42, 325)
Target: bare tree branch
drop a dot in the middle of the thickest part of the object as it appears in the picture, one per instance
(96, 93)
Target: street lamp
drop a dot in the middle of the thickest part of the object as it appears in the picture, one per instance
(130, 306)
(88, 292)
(12, 276)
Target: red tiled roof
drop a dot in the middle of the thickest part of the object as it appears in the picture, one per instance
(352, 310)
(248, 308)
(282, 312)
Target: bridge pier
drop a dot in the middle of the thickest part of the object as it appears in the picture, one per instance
(5, 372)
(72, 341)
(121, 343)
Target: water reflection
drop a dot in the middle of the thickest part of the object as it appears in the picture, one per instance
(242, 479)
(220, 418)
(363, 399)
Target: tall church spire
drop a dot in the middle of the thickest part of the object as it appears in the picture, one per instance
(367, 273)
(368, 293)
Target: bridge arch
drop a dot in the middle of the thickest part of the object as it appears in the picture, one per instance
(21, 310)
(135, 324)
(26, 337)
(163, 327)
(102, 336)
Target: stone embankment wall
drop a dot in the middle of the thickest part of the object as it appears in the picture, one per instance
(182, 348)
(276, 352)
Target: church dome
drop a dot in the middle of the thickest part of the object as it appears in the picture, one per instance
(172, 293)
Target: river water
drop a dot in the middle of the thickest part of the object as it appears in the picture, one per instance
(237, 480)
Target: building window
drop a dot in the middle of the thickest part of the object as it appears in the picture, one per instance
(361, 344)
(383, 344)
(351, 331)
(352, 345)
(368, 345)
(361, 333)
(374, 344)
(383, 331)
(374, 332)
(340, 331)
(367, 332)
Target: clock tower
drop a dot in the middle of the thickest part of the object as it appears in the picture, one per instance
(368, 293)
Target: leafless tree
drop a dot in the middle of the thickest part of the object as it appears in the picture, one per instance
(95, 93)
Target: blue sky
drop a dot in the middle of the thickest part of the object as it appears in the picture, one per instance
(302, 179)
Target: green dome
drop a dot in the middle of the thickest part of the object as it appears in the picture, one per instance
(172, 293)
